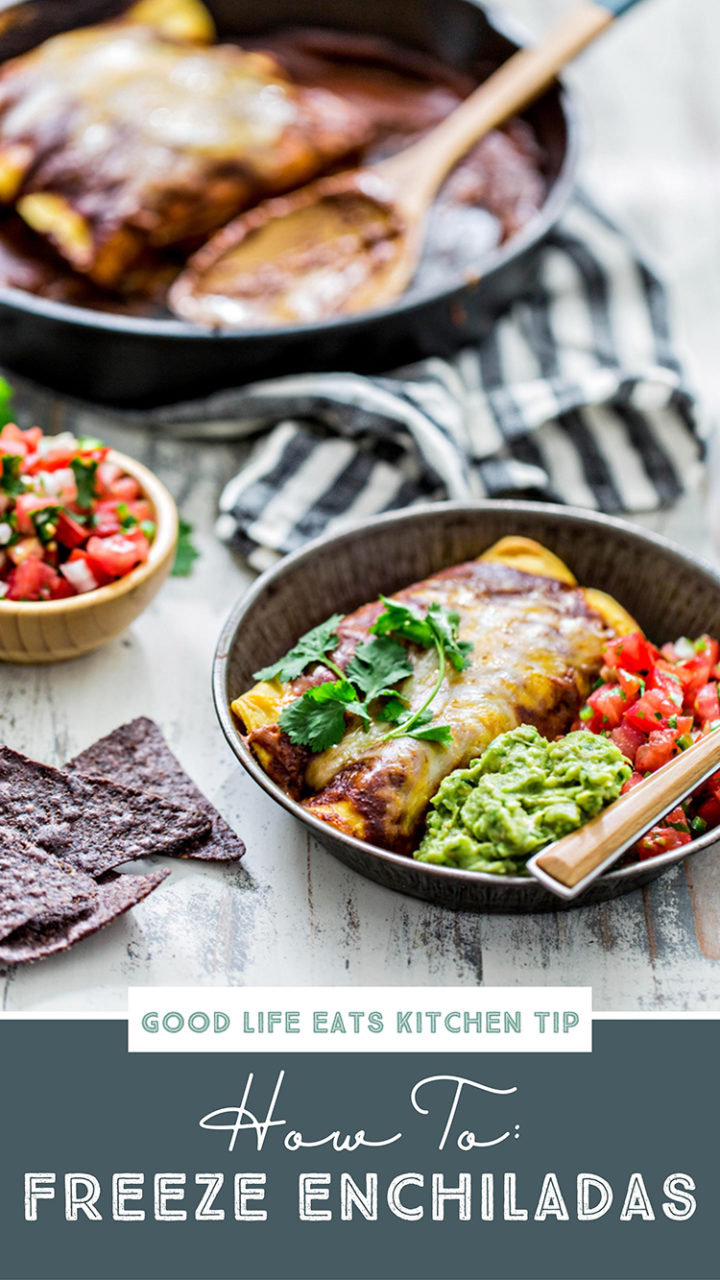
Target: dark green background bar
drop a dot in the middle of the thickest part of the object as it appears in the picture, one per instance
(73, 1099)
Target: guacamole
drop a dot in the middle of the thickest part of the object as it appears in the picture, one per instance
(523, 793)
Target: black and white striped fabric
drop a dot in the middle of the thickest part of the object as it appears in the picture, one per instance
(577, 396)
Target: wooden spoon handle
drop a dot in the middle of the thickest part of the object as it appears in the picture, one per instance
(608, 835)
(517, 82)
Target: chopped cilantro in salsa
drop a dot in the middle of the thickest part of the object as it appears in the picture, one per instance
(71, 519)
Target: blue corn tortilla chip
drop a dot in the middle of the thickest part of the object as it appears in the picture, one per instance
(115, 895)
(137, 755)
(37, 887)
(91, 823)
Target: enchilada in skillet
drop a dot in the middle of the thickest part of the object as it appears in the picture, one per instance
(141, 134)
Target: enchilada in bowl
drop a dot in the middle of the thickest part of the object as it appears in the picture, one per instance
(536, 658)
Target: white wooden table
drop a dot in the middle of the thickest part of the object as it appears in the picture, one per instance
(290, 913)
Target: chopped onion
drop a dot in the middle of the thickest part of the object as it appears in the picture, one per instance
(80, 576)
(684, 648)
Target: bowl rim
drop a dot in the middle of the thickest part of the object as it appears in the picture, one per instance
(323, 830)
(162, 544)
(516, 246)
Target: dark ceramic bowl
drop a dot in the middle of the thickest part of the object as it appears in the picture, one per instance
(670, 594)
(137, 361)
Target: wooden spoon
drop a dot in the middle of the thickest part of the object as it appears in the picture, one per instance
(569, 865)
(352, 242)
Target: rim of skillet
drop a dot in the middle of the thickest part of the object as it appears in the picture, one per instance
(575, 515)
(534, 231)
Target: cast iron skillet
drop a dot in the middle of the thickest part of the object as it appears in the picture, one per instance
(125, 360)
(669, 593)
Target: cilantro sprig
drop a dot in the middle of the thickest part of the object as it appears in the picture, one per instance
(11, 482)
(437, 628)
(185, 553)
(367, 687)
(314, 646)
(84, 471)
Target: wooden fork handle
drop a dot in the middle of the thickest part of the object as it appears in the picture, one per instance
(573, 857)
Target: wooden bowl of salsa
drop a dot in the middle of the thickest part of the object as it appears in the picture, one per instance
(87, 538)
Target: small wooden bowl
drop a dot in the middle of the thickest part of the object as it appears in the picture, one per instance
(53, 630)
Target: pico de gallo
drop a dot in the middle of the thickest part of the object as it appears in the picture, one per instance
(654, 703)
(71, 520)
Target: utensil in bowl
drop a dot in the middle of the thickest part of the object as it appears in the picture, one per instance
(670, 593)
(53, 630)
(130, 360)
(568, 866)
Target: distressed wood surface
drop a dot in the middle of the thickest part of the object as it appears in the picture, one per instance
(290, 913)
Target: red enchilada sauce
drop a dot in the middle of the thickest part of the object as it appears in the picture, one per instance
(493, 193)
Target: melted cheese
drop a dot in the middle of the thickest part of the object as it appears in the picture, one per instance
(537, 644)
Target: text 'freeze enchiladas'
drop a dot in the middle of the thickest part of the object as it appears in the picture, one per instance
(523, 645)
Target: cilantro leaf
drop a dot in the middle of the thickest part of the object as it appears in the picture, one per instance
(185, 553)
(312, 647)
(317, 719)
(6, 398)
(45, 523)
(378, 664)
(84, 473)
(393, 709)
(404, 620)
(438, 626)
(441, 733)
(445, 623)
(10, 481)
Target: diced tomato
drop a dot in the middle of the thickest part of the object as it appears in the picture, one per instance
(672, 833)
(609, 703)
(141, 509)
(70, 532)
(665, 677)
(631, 684)
(709, 810)
(628, 739)
(696, 672)
(119, 553)
(659, 748)
(55, 458)
(106, 475)
(20, 443)
(76, 553)
(631, 782)
(105, 517)
(31, 580)
(25, 504)
(707, 702)
(708, 648)
(82, 574)
(631, 653)
(125, 488)
(61, 589)
(13, 449)
(652, 711)
(11, 433)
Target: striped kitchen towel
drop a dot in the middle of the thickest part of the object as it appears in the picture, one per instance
(576, 396)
